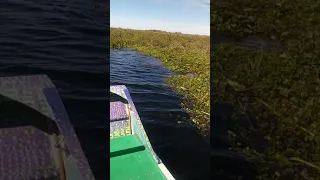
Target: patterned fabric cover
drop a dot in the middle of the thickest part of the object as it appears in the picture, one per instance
(25, 153)
(118, 111)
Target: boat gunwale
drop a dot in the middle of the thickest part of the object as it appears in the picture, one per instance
(48, 103)
(122, 91)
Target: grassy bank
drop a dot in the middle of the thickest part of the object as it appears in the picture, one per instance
(186, 54)
(276, 94)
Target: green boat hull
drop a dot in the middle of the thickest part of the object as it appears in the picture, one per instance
(131, 154)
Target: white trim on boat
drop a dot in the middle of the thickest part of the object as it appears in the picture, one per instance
(165, 171)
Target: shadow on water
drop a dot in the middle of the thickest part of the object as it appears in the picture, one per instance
(177, 142)
(226, 164)
(68, 41)
(250, 42)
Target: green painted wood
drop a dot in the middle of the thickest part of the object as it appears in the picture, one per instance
(125, 145)
(139, 165)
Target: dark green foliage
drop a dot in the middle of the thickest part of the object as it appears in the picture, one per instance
(278, 92)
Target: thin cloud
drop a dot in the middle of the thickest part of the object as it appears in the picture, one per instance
(201, 3)
(190, 3)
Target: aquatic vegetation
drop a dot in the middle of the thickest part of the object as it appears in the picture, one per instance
(275, 94)
(188, 55)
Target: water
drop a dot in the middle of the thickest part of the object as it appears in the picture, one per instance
(249, 42)
(179, 145)
(68, 41)
(226, 164)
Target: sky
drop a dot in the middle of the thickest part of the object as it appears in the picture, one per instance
(185, 16)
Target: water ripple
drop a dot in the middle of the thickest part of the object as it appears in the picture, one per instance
(68, 41)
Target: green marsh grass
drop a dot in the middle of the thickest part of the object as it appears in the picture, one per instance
(276, 94)
(188, 55)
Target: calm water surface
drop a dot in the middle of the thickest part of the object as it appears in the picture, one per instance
(182, 149)
(68, 41)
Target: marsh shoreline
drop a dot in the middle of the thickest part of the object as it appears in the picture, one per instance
(187, 55)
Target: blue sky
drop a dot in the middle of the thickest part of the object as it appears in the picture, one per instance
(186, 16)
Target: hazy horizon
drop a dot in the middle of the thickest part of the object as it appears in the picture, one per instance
(187, 17)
